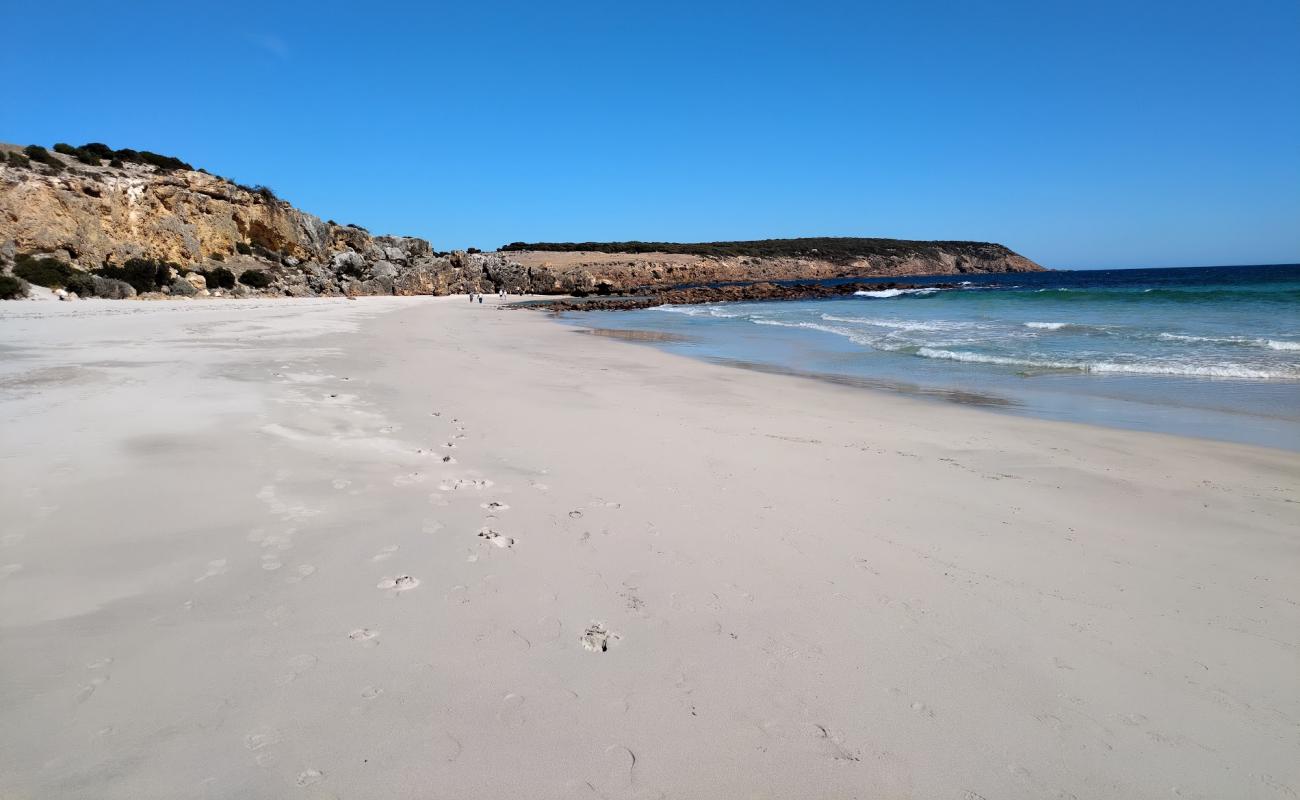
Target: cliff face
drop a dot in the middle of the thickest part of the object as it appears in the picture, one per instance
(95, 216)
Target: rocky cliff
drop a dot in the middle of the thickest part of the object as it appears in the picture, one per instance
(97, 213)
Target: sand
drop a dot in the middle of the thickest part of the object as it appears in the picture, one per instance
(236, 563)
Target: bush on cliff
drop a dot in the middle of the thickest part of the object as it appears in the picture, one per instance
(163, 163)
(17, 159)
(12, 288)
(143, 274)
(99, 149)
(80, 153)
(255, 278)
(243, 248)
(83, 283)
(42, 156)
(49, 272)
(111, 288)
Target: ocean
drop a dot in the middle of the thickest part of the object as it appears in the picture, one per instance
(1202, 351)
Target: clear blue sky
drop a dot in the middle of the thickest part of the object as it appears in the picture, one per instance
(1082, 134)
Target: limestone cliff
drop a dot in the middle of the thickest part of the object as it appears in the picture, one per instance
(95, 213)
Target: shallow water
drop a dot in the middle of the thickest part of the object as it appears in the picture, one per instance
(1206, 351)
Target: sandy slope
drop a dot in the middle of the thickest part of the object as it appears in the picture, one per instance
(804, 590)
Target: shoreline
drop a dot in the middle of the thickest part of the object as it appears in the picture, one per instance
(696, 580)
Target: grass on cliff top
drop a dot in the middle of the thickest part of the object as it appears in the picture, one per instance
(831, 248)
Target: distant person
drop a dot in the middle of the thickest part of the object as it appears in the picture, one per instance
(480, 299)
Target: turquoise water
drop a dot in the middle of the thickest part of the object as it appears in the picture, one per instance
(1211, 352)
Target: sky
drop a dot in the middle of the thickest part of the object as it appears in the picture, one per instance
(1080, 134)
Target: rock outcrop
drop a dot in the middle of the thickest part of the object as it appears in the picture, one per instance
(730, 293)
(99, 215)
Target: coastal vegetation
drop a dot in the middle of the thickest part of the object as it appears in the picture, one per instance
(142, 274)
(11, 288)
(43, 271)
(95, 153)
(828, 248)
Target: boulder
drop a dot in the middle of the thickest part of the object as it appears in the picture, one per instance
(183, 288)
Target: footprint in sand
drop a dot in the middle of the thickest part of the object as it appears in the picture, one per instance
(401, 583)
(448, 460)
(309, 777)
(365, 636)
(215, 568)
(492, 537)
(409, 479)
(303, 572)
(597, 639)
(88, 688)
(832, 745)
(371, 692)
(271, 562)
(432, 526)
(464, 483)
(494, 506)
(261, 739)
(297, 666)
(621, 763)
(341, 483)
(385, 553)
(575, 514)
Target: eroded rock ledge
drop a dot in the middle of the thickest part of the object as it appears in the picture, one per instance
(697, 295)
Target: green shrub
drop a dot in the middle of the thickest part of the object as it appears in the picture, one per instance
(112, 289)
(83, 283)
(219, 278)
(64, 147)
(39, 154)
(12, 288)
(255, 278)
(162, 162)
(218, 256)
(49, 272)
(143, 274)
(117, 162)
(243, 249)
(99, 149)
(17, 159)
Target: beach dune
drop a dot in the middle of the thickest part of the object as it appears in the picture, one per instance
(413, 547)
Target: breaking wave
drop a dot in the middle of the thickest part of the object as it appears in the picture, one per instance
(1111, 367)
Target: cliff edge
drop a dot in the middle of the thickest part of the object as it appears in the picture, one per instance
(121, 213)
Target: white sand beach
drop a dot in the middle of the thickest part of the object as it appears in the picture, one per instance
(414, 547)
